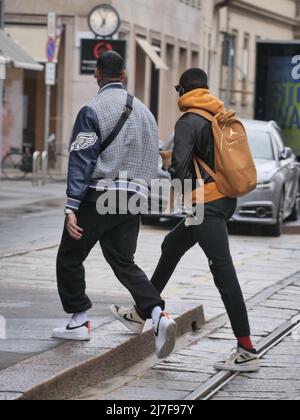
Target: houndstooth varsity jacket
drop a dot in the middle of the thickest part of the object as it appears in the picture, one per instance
(135, 151)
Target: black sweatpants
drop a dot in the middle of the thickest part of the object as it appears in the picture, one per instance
(117, 235)
(212, 236)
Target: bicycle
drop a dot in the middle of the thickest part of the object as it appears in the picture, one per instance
(17, 164)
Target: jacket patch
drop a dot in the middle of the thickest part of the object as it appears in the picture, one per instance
(84, 141)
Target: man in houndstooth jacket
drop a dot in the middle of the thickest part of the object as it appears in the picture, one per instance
(134, 151)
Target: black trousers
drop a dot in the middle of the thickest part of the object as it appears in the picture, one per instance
(212, 236)
(117, 235)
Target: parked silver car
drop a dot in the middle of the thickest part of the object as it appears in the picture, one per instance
(277, 195)
(276, 198)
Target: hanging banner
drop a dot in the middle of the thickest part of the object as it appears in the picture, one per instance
(278, 88)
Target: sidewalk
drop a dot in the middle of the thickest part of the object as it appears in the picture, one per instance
(20, 197)
(30, 217)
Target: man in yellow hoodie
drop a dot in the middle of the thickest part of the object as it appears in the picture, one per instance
(194, 137)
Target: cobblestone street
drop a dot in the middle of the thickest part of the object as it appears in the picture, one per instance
(192, 365)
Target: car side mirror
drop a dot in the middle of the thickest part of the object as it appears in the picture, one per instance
(286, 154)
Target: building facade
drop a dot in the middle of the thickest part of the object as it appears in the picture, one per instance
(178, 30)
(241, 24)
(182, 33)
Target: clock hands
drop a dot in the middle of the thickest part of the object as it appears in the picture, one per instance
(100, 12)
(104, 20)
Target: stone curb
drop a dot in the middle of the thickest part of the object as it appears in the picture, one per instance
(53, 375)
(292, 229)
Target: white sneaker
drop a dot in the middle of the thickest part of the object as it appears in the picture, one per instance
(81, 333)
(165, 336)
(241, 361)
(129, 317)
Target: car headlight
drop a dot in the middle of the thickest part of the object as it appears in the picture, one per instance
(265, 185)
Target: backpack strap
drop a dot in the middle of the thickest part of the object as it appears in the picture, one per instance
(197, 170)
(205, 114)
(197, 160)
(116, 131)
(206, 167)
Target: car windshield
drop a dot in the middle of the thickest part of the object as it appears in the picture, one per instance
(261, 144)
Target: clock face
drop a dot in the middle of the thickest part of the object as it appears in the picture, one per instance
(104, 20)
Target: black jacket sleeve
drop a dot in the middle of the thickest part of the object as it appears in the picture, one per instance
(84, 153)
(184, 146)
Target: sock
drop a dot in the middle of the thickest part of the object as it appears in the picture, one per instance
(156, 313)
(78, 319)
(246, 343)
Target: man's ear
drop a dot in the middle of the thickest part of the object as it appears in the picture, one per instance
(98, 74)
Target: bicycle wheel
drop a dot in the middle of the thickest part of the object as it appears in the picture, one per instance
(58, 168)
(13, 166)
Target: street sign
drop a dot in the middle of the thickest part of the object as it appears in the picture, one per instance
(52, 25)
(50, 74)
(91, 50)
(51, 49)
(2, 68)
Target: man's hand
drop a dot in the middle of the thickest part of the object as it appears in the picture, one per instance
(74, 231)
(167, 159)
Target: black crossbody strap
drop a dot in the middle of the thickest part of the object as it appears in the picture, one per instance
(116, 131)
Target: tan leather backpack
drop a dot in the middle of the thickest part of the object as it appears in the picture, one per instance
(235, 172)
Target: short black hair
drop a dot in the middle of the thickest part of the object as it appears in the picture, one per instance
(111, 64)
(194, 79)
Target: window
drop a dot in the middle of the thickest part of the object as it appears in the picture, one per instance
(278, 140)
(246, 57)
(234, 75)
(298, 8)
(261, 144)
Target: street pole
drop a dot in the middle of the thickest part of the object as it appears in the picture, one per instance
(47, 116)
(49, 79)
(51, 46)
(1, 118)
(2, 77)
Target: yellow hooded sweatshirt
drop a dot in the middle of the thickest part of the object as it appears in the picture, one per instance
(203, 100)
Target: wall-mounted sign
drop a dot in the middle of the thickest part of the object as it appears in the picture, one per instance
(51, 25)
(91, 50)
(50, 74)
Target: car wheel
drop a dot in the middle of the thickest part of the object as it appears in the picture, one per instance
(277, 229)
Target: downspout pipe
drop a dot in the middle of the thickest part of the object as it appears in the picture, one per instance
(218, 6)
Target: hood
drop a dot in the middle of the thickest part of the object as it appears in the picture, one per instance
(201, 99)
(266, 169)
